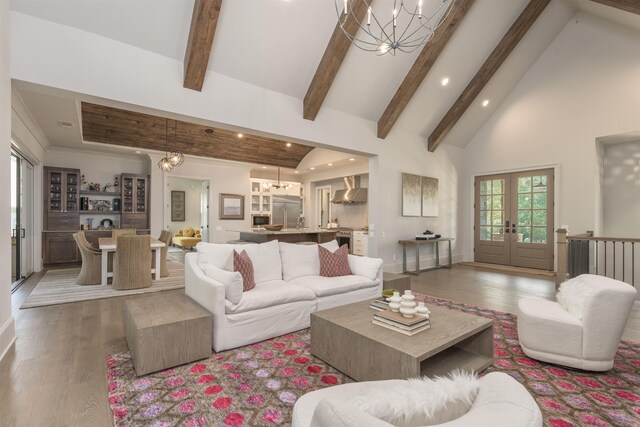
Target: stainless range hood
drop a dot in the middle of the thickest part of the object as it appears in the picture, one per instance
(352, 193)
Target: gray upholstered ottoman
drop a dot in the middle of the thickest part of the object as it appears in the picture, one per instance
(164, 331)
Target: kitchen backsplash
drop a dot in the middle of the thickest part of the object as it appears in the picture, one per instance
(351, 215)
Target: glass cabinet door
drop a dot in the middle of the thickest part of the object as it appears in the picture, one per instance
(71, 191)
(266, 203)
(127, 194)
(255, 203)
(55, 191)
(141, 195)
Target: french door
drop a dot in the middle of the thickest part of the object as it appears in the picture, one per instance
(21, 219)
(514, 219)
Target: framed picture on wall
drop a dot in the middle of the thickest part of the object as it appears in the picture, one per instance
(429, 196)
(231, 206)
(411, 195)
(177, 206)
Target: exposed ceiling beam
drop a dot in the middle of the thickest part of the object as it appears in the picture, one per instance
(331, 61)
(632, 6)
(421, 67)
(203, 27)
(510, 40)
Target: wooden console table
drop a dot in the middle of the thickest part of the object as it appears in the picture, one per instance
(417, 244)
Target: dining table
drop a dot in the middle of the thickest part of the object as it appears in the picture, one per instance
(108, 244)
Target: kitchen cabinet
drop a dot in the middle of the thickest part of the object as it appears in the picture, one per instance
(61, 198)
(135, 201)
(260, 198)
(361, 243)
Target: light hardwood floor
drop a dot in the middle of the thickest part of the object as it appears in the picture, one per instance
(55, 373)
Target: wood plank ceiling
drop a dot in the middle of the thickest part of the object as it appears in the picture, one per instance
(115, 126)
(203, 27)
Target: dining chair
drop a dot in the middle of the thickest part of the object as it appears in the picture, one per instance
(90, 272)
(165, 237)
(117, 232)
(132, 262)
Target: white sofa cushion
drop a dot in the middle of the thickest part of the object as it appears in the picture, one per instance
(365, 266)
(232, 281)
(573, 295)
(324, 286)
(302, 260)
(265, 257)
(269, 294)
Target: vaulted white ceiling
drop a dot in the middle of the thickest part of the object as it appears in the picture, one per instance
(277, 45)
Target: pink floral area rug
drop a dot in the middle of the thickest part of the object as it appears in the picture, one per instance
(257, 385)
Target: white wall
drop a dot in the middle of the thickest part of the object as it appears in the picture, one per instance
(585, 85)
(193, 194)
(225, 177)
(621, 190)
(153, 82)
(7, 330)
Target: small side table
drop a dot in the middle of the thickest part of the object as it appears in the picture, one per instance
(164, 331)
(401, 282)
(417, 244)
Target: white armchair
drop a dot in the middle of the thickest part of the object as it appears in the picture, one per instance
(501, 401)
(583, 329)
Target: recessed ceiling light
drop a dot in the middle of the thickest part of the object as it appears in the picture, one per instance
(445, 81)
(288, 144)
(209, 131)
(296, 172)
(138, 151)
(312, 169)
(330, 164)
(240, 135)
(264, 167)
(485, 102)
(352, 159)
(64, 124)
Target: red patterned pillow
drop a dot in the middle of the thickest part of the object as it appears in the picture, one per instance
(336, 263)
(242, 263)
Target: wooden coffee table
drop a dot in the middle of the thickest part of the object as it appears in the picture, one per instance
(345, 338)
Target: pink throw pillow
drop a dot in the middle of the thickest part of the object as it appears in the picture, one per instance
(242, 264)
(336, 263)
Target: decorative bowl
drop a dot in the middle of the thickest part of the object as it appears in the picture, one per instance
(273, 227)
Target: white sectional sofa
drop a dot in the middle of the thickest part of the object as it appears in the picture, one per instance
(288, 288)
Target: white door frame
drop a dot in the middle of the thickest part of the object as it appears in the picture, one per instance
(319, 189)
(166, 211)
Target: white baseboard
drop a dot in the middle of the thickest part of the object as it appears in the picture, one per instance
(7, 336)
(396, 267)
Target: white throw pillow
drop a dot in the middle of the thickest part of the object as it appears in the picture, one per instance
(573, 295)
(299, 260)
(232, 281)
(265, 257)
(365, 266)
(332, 246)
(421, 401)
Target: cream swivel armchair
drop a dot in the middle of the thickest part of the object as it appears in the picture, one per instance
(500, 401)
(583, 329)
(132, 262)
(90, 272)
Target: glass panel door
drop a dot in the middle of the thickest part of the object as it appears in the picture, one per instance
(492, 219)
(21, 219)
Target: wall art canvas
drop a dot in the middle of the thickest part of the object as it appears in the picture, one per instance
(429, 196)
(177, 206)
(411, 194)
(231, 206)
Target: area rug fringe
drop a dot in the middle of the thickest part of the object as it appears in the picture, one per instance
(59, 287)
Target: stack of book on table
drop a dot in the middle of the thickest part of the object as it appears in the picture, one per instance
(379, 304)
(396, 322)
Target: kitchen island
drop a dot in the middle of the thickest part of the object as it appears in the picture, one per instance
(288, 235)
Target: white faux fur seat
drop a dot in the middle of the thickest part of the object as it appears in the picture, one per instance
(500, 401)
(583, 329)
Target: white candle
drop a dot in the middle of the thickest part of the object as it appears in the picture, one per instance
(395, 14)
(346, 4)
(369, 16)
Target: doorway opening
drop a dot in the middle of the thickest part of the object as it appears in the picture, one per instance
(187, 205)
(513, 219)
(323, 205)
(21, 220)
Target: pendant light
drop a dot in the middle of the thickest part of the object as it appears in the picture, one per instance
(176, 158)
(165, 164)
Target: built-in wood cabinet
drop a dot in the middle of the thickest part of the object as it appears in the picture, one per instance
(61, 198)
(135, 201)
(60, 248)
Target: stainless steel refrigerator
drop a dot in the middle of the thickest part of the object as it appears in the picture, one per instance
(285, 210)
